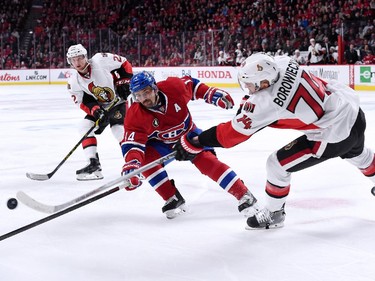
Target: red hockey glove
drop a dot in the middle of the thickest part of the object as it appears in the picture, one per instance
(219, 98)
(185, 149)
(135, 181)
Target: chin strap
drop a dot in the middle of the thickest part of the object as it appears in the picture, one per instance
(83, 72)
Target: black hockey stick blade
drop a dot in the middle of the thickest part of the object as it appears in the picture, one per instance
(58, 214)
(82, 203)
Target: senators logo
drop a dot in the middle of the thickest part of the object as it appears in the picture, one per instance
(117, 115)
(290, 145)
(102, 94)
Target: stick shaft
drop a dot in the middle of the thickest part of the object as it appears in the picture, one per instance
(42, 177)
(58, 214)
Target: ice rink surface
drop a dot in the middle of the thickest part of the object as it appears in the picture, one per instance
(329, 232)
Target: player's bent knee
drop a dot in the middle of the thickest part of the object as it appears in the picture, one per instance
(275, 172)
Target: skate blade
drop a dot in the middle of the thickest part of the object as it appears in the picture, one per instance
(90, 177)
(171, 214)
(273, 226)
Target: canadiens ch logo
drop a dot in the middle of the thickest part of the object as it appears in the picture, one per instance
(155, 122)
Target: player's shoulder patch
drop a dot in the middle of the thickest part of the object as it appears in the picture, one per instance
(249, 107)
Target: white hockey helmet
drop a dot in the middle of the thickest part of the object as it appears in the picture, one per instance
(75, 51)
(256, 68)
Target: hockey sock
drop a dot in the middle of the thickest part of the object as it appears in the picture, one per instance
(159, 180)
(209, 165)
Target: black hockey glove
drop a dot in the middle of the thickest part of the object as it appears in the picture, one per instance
(185, 149)
(122, 88)
(100, 114)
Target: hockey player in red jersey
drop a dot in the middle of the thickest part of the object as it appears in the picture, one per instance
(283, 95)
(155, 123)
(100, 88)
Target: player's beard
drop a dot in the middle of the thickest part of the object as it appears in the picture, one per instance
(151, 102)
(148, 103)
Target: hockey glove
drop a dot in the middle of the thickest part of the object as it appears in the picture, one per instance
(219, 98)
(100, 114)
(122, 88)
(186, 150)
(135, 181)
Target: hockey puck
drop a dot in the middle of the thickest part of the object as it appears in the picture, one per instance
(12, 203)
(373, 191)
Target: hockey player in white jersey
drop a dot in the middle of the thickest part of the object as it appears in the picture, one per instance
(283, 95)
(100, 88)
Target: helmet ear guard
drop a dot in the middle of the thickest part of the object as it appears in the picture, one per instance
(75, 51)
(257, 68)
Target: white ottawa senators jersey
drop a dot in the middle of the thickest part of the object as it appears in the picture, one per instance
(298, 100)
(99, 81)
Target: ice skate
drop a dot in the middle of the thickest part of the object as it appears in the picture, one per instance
(174, 206)
(248, 205)
(93, 171)
(264, 219)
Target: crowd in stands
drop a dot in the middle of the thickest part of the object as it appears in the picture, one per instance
(13, 15)
(196, 32)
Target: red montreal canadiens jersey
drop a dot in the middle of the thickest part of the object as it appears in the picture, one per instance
(324, 111)
(166, 124)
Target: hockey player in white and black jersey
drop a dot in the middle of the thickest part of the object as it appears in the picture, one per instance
(100, 87)
(283, 95)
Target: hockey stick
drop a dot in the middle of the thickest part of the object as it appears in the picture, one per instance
(87, 201)
(32, 203)
(43, 177)
(58, 214)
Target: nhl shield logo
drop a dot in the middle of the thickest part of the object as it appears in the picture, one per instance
(155, 122)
